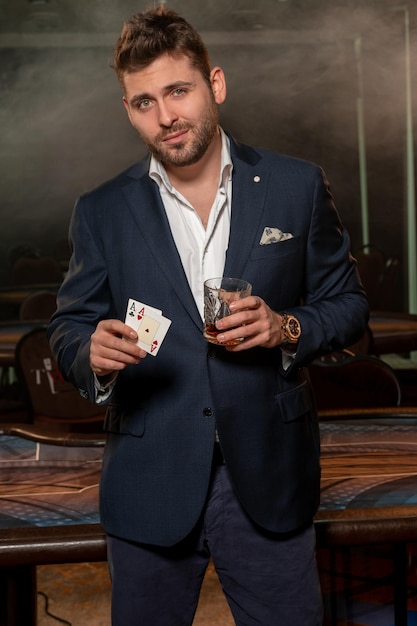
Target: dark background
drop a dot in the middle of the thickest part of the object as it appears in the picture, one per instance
(293, 69)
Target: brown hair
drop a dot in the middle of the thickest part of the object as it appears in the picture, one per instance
(146, 36)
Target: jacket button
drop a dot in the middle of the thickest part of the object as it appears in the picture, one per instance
(207, 412)
(211, 353)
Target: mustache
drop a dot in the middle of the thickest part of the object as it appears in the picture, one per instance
(173, 129)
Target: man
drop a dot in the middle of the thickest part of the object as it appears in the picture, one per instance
(212, 450)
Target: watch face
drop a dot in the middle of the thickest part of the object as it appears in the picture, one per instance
(293, 327)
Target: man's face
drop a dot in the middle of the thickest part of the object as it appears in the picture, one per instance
(174, 109)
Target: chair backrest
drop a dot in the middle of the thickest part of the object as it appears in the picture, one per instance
(364, 345)
(62, 252)
(40, 305)
(379, 275)
(36, 271)
(344, 380)
(371, 263)
(388, 296)
(52, 400)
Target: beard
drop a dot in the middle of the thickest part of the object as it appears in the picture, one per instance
(181, 154)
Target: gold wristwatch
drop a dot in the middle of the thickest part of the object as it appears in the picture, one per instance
(290, 328)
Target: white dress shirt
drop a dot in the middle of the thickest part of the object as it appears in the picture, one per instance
(202, 250)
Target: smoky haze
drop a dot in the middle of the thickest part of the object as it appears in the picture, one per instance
(295, 71)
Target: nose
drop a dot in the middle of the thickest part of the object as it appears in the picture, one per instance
(167, 115)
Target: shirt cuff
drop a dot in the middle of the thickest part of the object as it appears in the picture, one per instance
(104, 391)
(288, 357)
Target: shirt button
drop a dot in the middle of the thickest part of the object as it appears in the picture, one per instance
(207, 412)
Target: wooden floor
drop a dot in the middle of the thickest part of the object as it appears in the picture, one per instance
(357, 589)
(80, 595)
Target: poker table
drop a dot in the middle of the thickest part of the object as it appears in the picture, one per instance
(393, 332)
(369, 486)
(48, 510)
(49, 499)
(369, 475)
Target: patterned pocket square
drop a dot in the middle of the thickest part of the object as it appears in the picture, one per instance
(274, 235)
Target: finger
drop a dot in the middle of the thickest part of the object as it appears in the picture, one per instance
(250, 302)
(117, 350)
(237, 319)
(111, 352)
(117, 328)
(114, 360)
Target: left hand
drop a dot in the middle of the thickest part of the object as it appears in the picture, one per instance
(252, 319)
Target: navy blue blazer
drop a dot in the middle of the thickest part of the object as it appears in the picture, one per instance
(163, 413)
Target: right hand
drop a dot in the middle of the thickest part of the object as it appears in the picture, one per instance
(113, 348)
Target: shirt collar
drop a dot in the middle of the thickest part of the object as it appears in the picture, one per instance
(158, 172)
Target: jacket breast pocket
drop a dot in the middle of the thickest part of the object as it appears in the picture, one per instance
(276, 250)
(118, 421)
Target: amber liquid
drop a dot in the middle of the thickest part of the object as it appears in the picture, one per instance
(211, 332)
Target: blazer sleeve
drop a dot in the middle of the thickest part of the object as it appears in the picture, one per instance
(83, 300)
(334, 311)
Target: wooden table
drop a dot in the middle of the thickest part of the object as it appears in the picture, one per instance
(369, 490)
(393, 332)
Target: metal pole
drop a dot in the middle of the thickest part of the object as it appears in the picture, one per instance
(361, 145)
(411, 198)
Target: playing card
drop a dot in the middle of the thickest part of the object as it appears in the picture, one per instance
(152, 331)
(135, 312)
(149, 323)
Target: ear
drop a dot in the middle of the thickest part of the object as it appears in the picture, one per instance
(127, 107)
(218, 84)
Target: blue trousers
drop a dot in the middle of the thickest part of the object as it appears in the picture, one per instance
(268, 579)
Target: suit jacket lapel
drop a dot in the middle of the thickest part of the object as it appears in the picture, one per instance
(249, 188)
(149, 215)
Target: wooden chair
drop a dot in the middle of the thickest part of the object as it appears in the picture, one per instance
(13, 404)
(40, 305)
(36, 271)
(364, 345)
(343, 380)
(53, 401)
(371, 263)
(62, 251)
(13, 409)
(379, 276)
